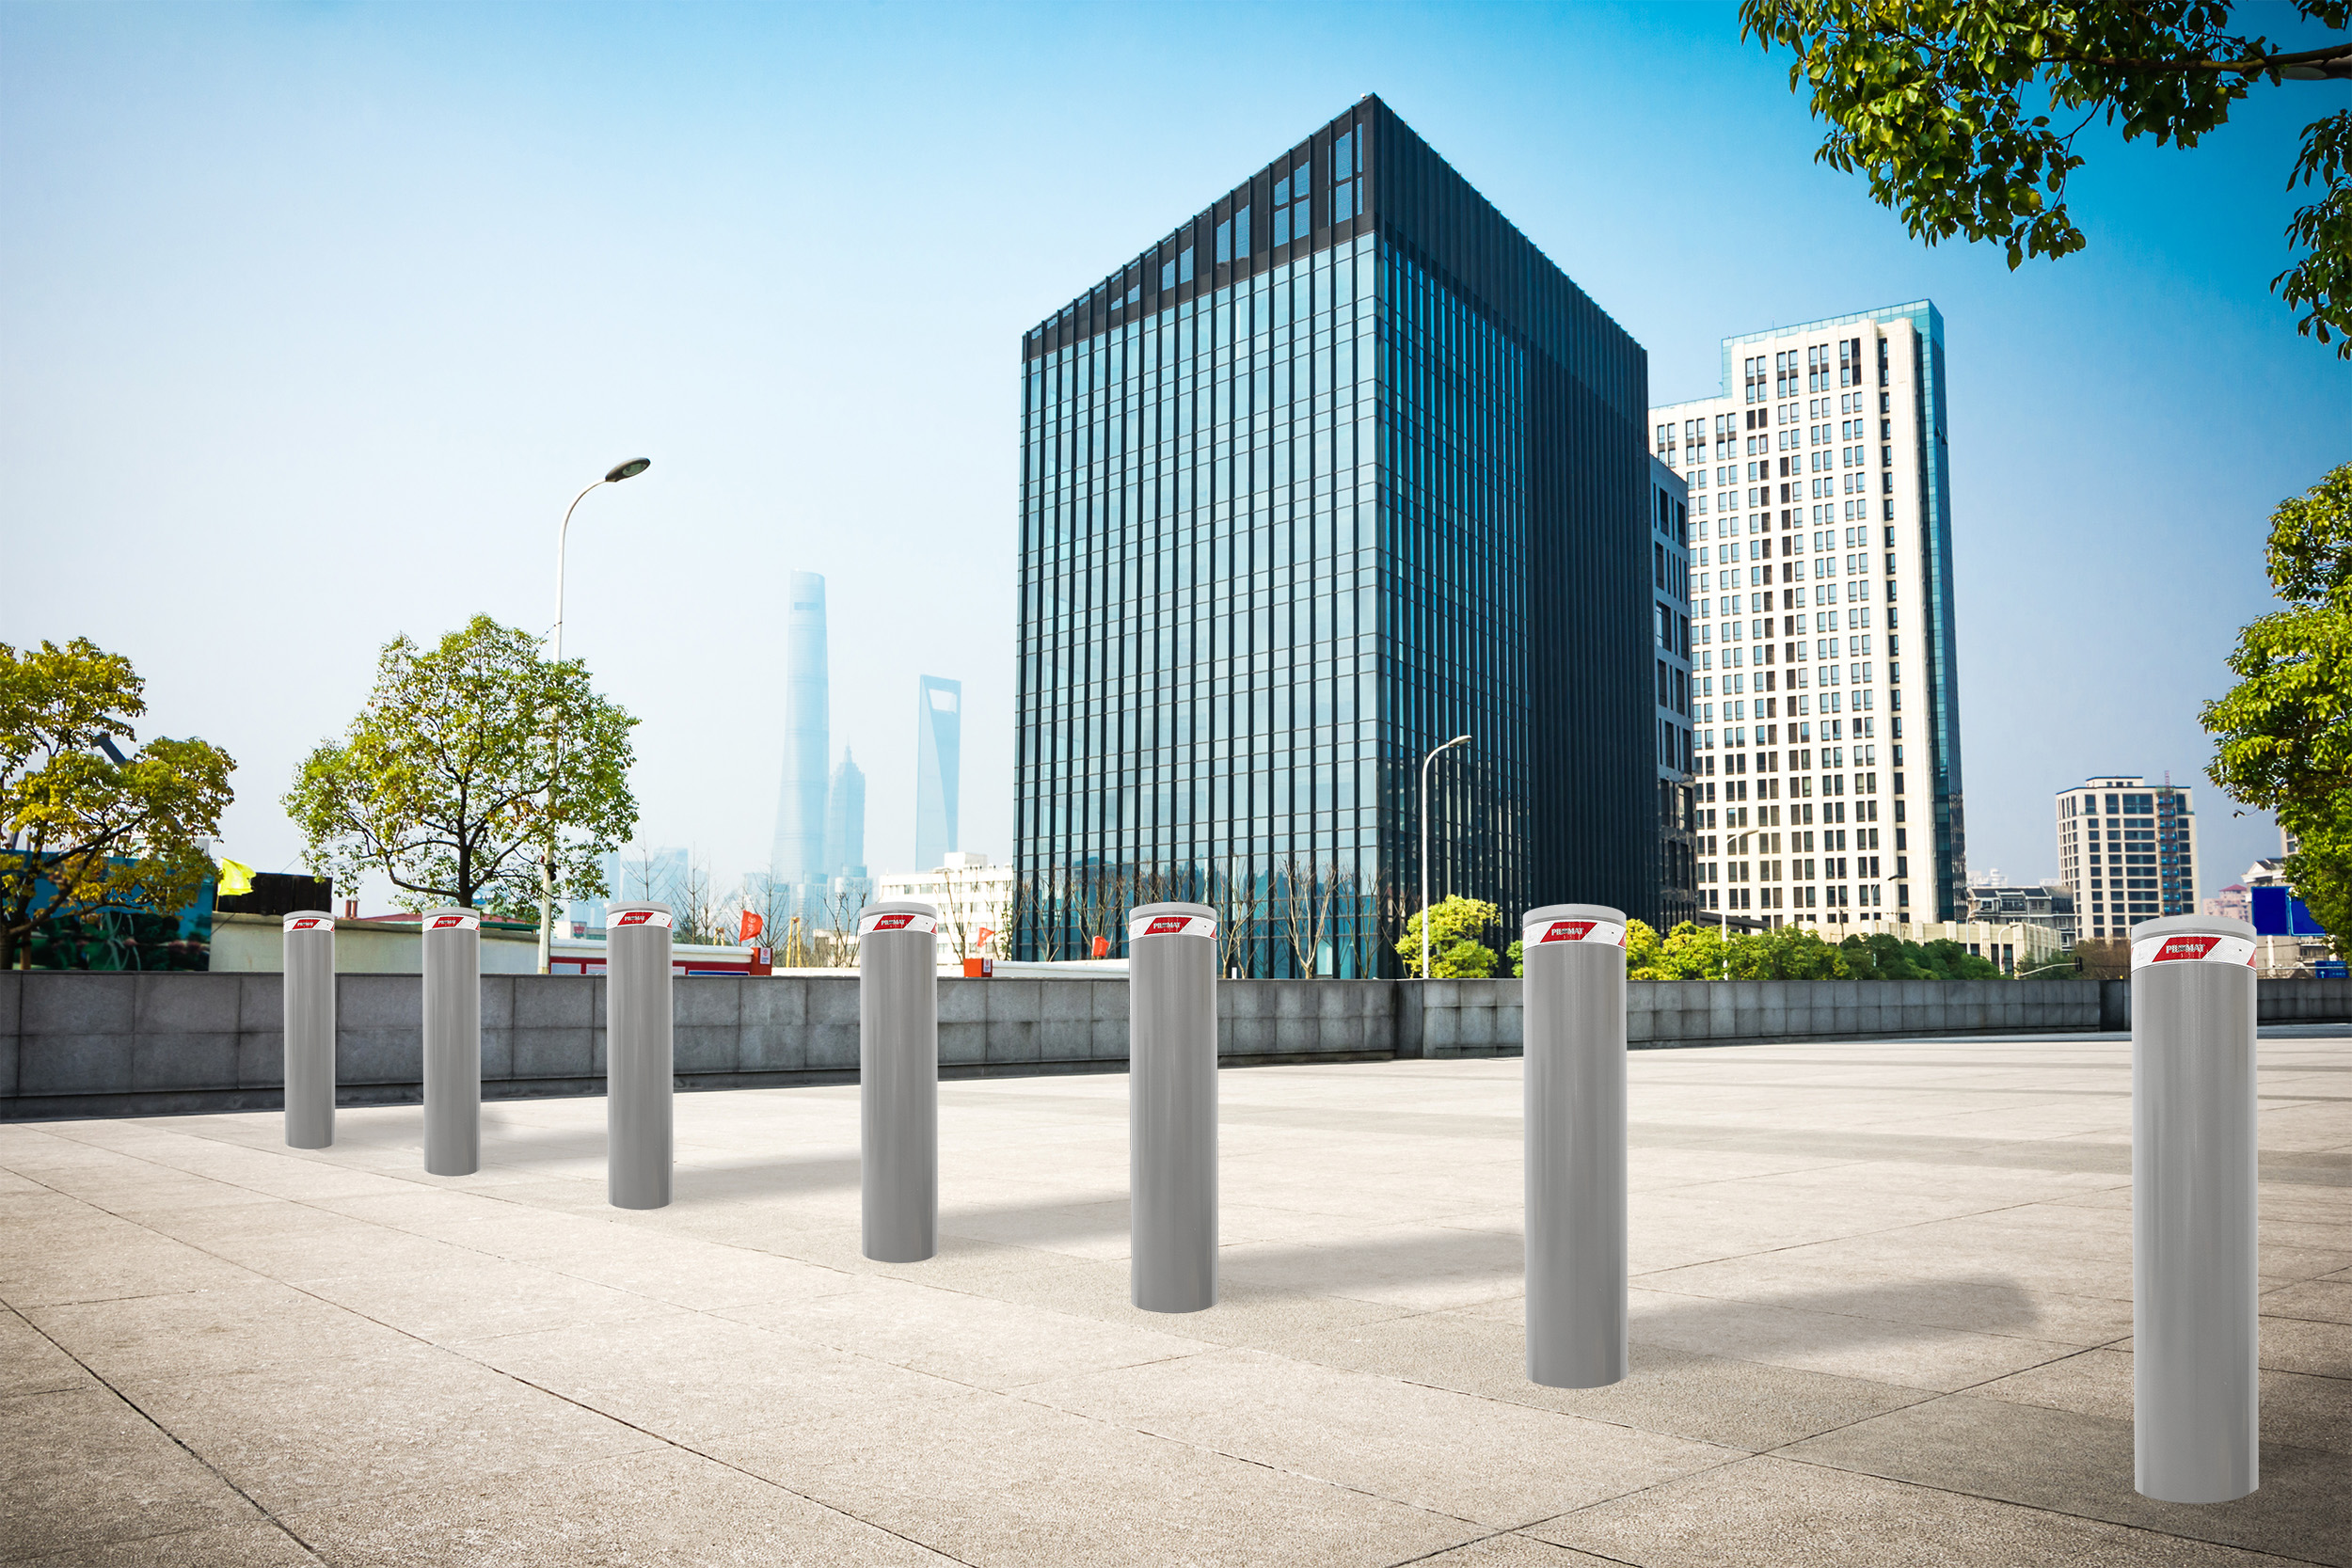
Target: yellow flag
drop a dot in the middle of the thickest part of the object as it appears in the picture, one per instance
(235, 878)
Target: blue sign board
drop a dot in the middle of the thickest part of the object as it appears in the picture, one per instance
(2279, 913)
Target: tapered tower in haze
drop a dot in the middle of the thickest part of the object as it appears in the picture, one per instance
(799, 857)
(845, 821)
(938, 742)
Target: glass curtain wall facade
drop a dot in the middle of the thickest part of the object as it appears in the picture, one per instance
(1341, 468)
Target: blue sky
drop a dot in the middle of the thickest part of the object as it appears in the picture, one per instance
(313, 317)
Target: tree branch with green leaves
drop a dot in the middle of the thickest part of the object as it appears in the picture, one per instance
(2283, 734)
(1963, 114)
(87, 834)
(469, 759)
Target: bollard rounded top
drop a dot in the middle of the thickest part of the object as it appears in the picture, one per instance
(1565, 927)
(1196, 911)
(1572, 911)
(621, 916)
(2205, 939)
(2193, 925)
(899, 906)
(1170, 920)
(308, 920)
(451, 917)
(913, 917)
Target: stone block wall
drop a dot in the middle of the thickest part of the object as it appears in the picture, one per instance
(155, 1044)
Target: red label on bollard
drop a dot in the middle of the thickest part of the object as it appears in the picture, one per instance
(1582, 930)
(642, 917)
(310, 922)
(456, 922)
(1171, 925)
(2192, 948)
(902, 921)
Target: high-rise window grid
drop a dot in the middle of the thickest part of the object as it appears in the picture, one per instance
(1369, 480)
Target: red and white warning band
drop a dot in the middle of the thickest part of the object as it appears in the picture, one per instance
(2192, 947)
(1171, 925)
(453, 923)
(901, 921)
(1606, 932)
(644, 918)
(310, 922)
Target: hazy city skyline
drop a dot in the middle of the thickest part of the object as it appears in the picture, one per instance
(362, 415)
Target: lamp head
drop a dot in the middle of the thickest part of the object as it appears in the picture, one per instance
(630, 469)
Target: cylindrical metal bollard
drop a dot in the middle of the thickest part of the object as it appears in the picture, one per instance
(452, 1041)
(2195, 1345)
(310, 984)
(898, 1086)
(1171, 1107)
(638, 1084)
(1573, 998)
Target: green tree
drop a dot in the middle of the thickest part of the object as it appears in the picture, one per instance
(2050, 966)
(1454, 951)
(1693, 952)
(1942, 103)
(87, 834)
(1945, 960)
(441, 782)
(2283, 734)
(1644, 952)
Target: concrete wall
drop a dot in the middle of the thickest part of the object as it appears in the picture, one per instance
(74, 1044)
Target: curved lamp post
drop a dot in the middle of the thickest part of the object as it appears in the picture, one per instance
(618, 472)
(1457, 741)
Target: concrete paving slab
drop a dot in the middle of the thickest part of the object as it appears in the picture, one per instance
(2079, 1465)
(998, 1480)
(79, 1468)
(197, 1324)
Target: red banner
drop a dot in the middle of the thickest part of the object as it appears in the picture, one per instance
(1101, 947)
(753, 925)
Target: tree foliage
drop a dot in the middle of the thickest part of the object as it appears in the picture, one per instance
(2283, 733)
(441, 782)
(85, 833)
(1455, 953)
(1793, 952)
(1964, 113)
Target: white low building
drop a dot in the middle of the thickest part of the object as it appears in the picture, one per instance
(975, 902)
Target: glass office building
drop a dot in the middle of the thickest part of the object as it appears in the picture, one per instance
(1341, 468)
(938, 767)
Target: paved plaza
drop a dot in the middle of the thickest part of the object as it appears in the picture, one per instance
(1882, 1315)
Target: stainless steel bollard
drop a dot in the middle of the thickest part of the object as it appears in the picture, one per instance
(638, 1082)
(2196, 1336)
(452, 1041)
(310, 984)
(897, 1084)
(1574, 1078)
(1171, 1107)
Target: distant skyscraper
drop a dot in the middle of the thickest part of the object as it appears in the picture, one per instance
(587, 914)
(845, 821)
(656, 876)
(1821, 518)
(800, 848)
(2128, 848)
(1341, 468)
(938, 737)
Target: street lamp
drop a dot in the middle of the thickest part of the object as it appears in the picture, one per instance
(1457, 741)
(618, 472)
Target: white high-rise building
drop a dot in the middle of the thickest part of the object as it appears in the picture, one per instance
(1827, 763)
(2128, 848)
